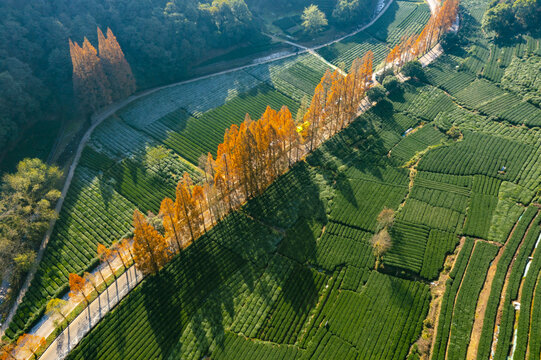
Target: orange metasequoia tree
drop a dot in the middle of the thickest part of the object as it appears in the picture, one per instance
(125, 244)
(91, 279)
(6, 351)
(186, 208)
(171, 223)
(115, 66)
(106, 256)
(119, 248)
(77, 287)
(89, 81)
(30, 343)
(149, 246)
(438, 24)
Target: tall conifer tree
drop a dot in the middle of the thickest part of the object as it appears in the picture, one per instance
(115, 66)
(89, 81)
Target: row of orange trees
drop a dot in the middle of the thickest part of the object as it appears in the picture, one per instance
(416, 45)
(255, 153)
(251, 157)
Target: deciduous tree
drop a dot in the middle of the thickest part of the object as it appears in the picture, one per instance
(106, 256)
(30, 343)
(90, 83)
(149, 248)
(27, 201)
(7, 351)
(385, 218)
(56, 307)
(77, 287)
(313, 19)
(171, 223)
(115, 66)
(381, 243)
(376, 93)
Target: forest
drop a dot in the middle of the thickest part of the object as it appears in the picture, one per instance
(35, 69)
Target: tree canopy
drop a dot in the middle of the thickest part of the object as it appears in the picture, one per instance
(313, 19)
(413, 69)
(26, 208)
(349, 12)
(376, 93)
(511, 17)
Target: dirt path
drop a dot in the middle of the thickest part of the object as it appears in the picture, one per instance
(505, 285)
(482, 307)
(483, 300)
(437, 290)
(456, 296)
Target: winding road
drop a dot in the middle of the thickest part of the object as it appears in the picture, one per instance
(84, 322)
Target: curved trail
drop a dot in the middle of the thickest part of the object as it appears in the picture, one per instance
(84, 322)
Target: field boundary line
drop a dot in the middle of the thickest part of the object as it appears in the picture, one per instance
(442, 281)
(482, 300)
(533, 304)
(447, 345)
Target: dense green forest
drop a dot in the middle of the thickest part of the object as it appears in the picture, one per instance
(162, 40)
(511, 17)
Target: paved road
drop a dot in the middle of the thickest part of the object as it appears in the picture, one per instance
(83, 323)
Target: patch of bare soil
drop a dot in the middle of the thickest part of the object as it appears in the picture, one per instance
(425, 343)
(506, 284)
(481, 308)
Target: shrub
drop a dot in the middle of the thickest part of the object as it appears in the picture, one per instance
(376, 93)
(414, 69)
(391, 83)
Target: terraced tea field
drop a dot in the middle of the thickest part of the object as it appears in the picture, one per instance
(402, 18)
(293, 273)
(307, 287)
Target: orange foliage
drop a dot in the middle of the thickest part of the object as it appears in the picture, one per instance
(98, 80)
(149, 246)
(30, 343)
(77, 285)
(7, 351)
(252, 155)
(115, 65)
(89, 81)
(411, 47)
